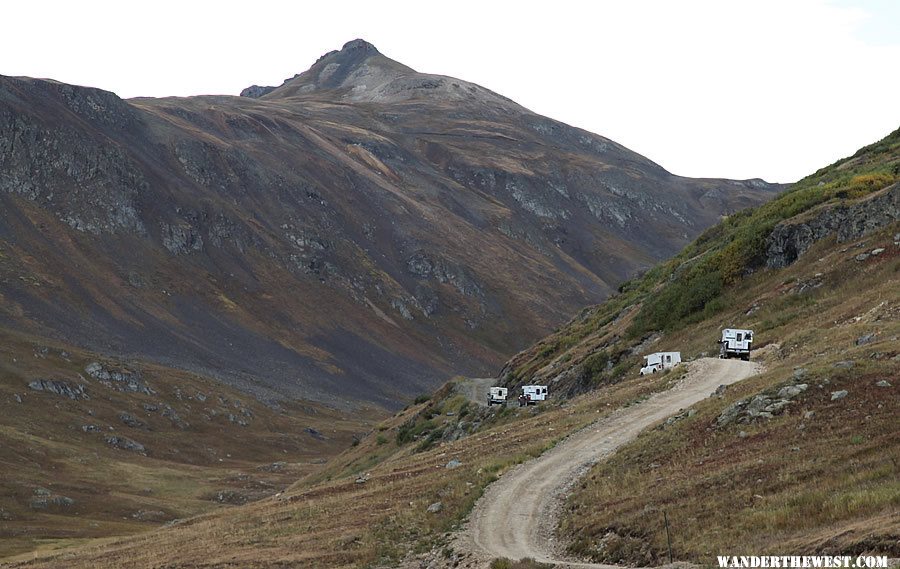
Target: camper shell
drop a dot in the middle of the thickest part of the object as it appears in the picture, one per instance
(497, 396)
(736, 343)
(659, 361)
(531, 394)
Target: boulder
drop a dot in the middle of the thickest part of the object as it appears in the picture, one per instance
(791, 391)
(731, 413)
(882, 383)
(453, 464)
(131, 421)
(835, 395)
(43, 502)
(58, 387)
(435, 508)
(865, 339)
(314, 433)
(61, 501)
(150, 516)
(125, 443)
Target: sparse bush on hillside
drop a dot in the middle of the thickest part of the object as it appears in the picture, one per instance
(549, 349)
(595, 364)
(867, 183)
(411, 429)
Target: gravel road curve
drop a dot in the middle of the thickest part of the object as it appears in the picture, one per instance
(517, 514)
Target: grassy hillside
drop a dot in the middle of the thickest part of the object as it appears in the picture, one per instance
(112, 456)
(819, 476)
(817, 472)
(694, 286)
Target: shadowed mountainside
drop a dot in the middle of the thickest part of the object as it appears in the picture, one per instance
(359, 233)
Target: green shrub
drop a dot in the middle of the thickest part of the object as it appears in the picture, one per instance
(595, 364)
(409, 430)
(864, 184)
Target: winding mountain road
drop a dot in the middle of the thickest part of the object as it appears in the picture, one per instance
(517, 515)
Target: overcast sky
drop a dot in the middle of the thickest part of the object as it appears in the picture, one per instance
(771, 89)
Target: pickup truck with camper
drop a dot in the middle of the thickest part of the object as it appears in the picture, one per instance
(497, 396)
(659, 361)
(531, 394)
(736, 343)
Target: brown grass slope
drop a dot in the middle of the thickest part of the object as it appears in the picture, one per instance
(72, 469)
(820, 476)
(331, 520)
(318, 243)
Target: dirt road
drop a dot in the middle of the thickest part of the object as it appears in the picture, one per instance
(477, 388)
(517, 514)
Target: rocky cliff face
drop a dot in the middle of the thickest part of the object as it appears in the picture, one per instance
(358, 233)
(847, 221)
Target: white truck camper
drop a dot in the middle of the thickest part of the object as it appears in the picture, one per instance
(531, 394)
(497, 396)
(659, 361)
(736, 343)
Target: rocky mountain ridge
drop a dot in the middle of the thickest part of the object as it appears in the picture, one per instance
(359, 233)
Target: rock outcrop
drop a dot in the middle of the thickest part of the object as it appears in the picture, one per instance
(118, 379)
(59, 387)
(850, 221)
(256, 91)
(759, 407)
(125, 443)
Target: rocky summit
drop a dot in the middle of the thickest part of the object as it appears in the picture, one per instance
(358, 233)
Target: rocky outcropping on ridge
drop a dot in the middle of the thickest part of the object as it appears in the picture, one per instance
(789, 240)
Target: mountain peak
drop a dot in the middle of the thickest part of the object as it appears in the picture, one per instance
(358, 64)
(359, 45)
(358, 72)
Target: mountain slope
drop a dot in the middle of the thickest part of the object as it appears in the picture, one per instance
(359, 233)
(800, 458)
